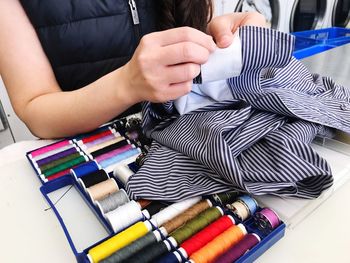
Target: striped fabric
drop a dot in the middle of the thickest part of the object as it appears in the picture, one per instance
(258, 142)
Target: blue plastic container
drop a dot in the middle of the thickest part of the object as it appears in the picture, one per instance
(312, 42)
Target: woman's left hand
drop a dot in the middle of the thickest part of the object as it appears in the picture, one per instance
(221, 28)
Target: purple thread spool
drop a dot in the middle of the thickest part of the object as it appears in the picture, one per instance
(235, 252)
(266, 220)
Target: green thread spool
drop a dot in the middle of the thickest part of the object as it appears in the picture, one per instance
(57, 162)
(65, 166)
(226, 198)
(196, 224)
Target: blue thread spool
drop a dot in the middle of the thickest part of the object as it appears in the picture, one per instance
(84, 169)
(250, 202)
(120, 157)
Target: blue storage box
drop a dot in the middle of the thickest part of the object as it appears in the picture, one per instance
(311, 42)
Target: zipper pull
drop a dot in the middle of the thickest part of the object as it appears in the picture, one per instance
(134, 14)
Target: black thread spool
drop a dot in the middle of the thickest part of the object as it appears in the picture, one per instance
(93, 178)
(140, 160)
(120, 124)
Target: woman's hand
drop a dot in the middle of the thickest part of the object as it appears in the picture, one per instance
(165, 63)
(223, 27)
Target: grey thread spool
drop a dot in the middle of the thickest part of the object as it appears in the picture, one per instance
(123, 254)
(113, 201)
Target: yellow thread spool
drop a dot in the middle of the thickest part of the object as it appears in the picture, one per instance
(219, 245)
(124, 238)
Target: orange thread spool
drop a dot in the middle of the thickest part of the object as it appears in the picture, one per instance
(219, 245)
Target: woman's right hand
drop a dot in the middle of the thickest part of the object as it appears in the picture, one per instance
(165, 63)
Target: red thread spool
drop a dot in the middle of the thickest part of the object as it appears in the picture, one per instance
(206, 235)
(96, 136)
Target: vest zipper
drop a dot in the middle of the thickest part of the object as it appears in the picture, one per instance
(135, 19)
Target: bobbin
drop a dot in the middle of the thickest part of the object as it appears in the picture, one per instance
(266, 220)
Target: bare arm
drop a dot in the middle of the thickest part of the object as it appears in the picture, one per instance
(48, 112)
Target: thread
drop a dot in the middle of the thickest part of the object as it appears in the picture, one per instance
(238, 250)
(266, 220)
(143, 202)
(79, 137)
(150, 253)
(65, 166)
(120, 157)
(154, 207)
(96, 136)
(225, 198)
(84, 169)
(187, 215)
(133, 167)
(60, 161)
(52, 152)
(104, 144)
(123, 173)
(100, 140)
(109, 148)
(124, 216)
(219, 245)
(49, 148)
(93, 178)
(170, 257)
(102, 190)
(239, 209)
(206, 235)
(123, 254)
(173, 210)
(110, 154)
(196, 224)
(124, 238)
(249, 202)
(140, 160)
(56, 156)
(112, 201)
(112, 167)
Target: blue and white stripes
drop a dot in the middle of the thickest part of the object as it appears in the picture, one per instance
(257, 142)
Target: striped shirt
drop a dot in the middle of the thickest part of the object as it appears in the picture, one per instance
(258, 142)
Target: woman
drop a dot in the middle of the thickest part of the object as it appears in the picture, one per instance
(55, 56)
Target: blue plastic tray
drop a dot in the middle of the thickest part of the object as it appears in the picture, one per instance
(311, 42)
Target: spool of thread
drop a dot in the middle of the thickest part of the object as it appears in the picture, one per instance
(65, 166)
(120, 157)
(150, 253)
(135, 247)
(98, 141)
(196, 224)
(51, 152)
(85, 169)
(109, 148)
(114, 152)
(104, 144)
(206, 235)
(170, 257)
(57, 156)
(123, 173)
(133, 167)
(219, 245)
(112, 201)
(97, 136)
(238, 250)
(57, 162)
(124, 238)
(143, 202)
(187, 215)
(125, 215)
(173, 210)
(267, 220)
(119, 125)
(49, 148)
(155, 206)
(79, 137)
(239, 209)
(93, 178)
(140, 160)
(114, 166)
(250, 202)
(225, 198)
(101, 190)
(133, 124)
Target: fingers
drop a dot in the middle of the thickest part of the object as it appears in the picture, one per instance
(182, 73)
(183, 52)
(184, 34)
(221, 29)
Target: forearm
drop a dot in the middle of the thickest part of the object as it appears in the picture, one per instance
(60, 114)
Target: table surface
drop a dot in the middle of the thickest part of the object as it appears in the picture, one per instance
(31, 233)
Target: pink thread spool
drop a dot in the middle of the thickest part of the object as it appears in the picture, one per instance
(267, 220)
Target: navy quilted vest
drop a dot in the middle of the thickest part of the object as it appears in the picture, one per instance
(86, 39)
